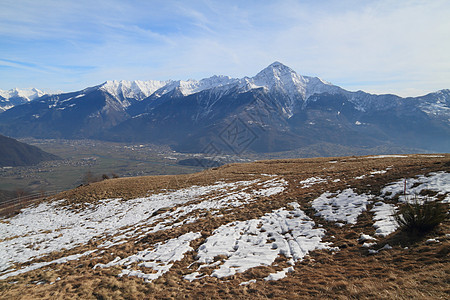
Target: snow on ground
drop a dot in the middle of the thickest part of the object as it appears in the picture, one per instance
(343, 206)
(385, 223)
(168, 219)
(48, 227)
(280, 274)
(436, 181)
(38, 231)
(159, 259)
(388, 156)
(43, 264)
(258, 242)
(312, 181)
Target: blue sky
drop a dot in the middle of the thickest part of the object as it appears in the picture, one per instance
(387, 46)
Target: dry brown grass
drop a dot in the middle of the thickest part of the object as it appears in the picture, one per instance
(422, 271)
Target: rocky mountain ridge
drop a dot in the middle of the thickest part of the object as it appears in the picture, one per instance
(276, 110)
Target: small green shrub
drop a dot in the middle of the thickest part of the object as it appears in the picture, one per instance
(421, 217)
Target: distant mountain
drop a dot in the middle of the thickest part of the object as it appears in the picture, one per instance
(11, 98)
(276, 110)
(14, 153)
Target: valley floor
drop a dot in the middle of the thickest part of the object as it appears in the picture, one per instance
(300, 228)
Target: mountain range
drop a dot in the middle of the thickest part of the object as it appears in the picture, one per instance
(13, 97)
(275, 110)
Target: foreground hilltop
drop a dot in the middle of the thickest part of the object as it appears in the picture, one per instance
(277, 229)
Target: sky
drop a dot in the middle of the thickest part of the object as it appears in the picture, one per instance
(386, 46)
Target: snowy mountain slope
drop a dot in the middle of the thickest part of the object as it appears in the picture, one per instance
(281, 78)
(226, 230)
(278, 108)
(437, 105)
(78, 114)
(136, 90)
(13, 97)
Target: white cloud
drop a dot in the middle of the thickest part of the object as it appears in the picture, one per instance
(379, 46)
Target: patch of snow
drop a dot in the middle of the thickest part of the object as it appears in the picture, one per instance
(258, 242)
(40, 230)
(378, 172)
(343, 206)
(159, 259)
(385, 223)
(312, 181)
(248, 282)
(233, 197)
(365, 237)
(36, 266)
(388, 156)
(386, 247)
(269, 175)
(432, 241)
(436, 181)
(279, 275)
(194, 276)
(368, 245)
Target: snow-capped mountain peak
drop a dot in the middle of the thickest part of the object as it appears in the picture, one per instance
(281, 78)
(28, 94)
(191, 86)
(13, 97)
(136, 89)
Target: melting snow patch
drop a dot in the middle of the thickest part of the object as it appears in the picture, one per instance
(280, 274)
(388, 156)
(160, 259)
(258, 242)
(48, 227)
(438, 182)
(193, 276)
(343, 206)
(378, 172)
(386, 247)
(385, 223)
(312, 181)
(432, 241)
(248, 282)
(43, 264)
(365, 237)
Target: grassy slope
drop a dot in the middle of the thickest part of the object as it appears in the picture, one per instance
(420, 271)
(14, 153)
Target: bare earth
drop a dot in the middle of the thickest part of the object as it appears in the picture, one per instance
(418, 268)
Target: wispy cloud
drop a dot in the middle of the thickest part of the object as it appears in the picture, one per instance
(379, 46)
